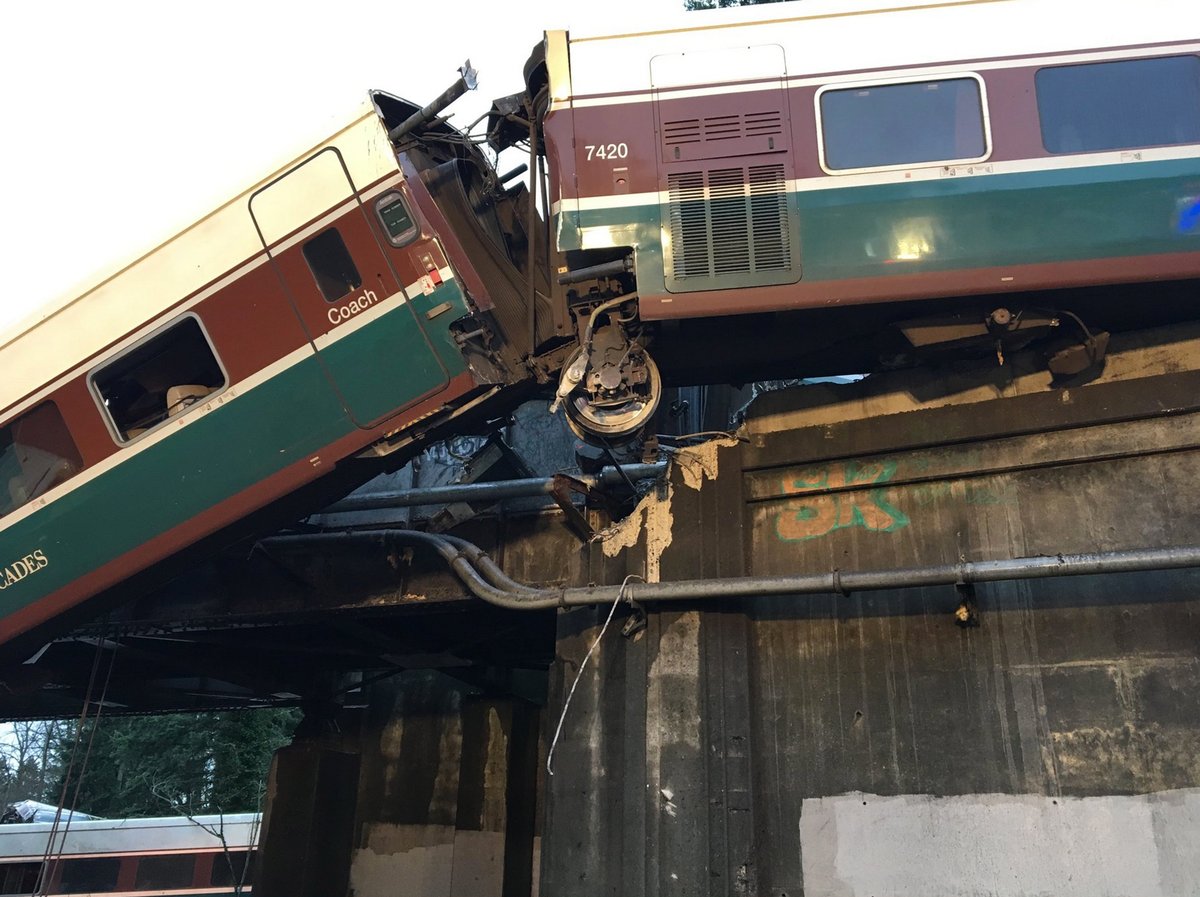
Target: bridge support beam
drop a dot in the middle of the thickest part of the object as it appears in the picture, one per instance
(432, 788)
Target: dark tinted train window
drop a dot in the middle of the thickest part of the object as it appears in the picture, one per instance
(36, 454)
(1118, 105)
(81, 876)
(169, 871)
(228, 868)
(396, 219)
(331, 265)
(18, 878)
(903, 124)
(159, 378)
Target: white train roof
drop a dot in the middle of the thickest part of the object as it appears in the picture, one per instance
(59, 336)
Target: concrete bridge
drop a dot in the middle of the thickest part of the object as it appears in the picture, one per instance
(924, 717)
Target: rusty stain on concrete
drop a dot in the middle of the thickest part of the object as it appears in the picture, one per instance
(1128, 758)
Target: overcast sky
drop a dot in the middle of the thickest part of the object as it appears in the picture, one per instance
(126, 120)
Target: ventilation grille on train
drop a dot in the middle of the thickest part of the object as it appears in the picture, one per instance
(718, 128)
(727, 224)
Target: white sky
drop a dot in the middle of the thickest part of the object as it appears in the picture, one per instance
(125, 120)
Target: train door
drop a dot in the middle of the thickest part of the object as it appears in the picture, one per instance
(346, 290)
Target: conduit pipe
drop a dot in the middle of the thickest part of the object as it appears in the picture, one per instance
(523, 488)
(488, 582)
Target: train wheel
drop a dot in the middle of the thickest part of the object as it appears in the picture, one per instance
(616, 412)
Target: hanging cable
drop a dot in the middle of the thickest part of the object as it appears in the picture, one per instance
(579, 673)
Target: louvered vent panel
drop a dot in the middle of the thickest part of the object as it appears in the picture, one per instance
(772, 244)
(763, 124)
(728, 223)
(714, 135)
(677, 133)
(689, 225)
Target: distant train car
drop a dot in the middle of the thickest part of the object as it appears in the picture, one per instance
(172, 855)
(818, 155)
(347, 303)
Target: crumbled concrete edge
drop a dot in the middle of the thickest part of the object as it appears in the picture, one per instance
(653, 515)
(699, 462)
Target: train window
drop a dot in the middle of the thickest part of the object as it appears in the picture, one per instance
(900, 125)
(36, 454)
(165, 871)
(396, 219)
(331, 265)
(229, 869)
(159, 378)
(92, 874)
(19, 878)
(1117, 105)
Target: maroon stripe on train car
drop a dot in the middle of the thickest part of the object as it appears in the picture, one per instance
(1011, 106)
(979, 281)
(220, 515)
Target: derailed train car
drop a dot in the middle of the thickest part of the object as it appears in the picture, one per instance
(343, 307)
(774, 165)
(765, 190)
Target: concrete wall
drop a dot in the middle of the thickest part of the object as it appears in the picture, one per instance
(866, 744)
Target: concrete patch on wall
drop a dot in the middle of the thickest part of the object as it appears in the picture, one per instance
(401, 860)
(862, 845)
(478, 864)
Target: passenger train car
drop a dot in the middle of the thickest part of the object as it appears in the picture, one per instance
(349, 303)
(172, 855)
(828, 154)
(772, 184)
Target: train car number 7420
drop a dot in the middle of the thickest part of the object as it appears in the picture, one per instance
(606, 151)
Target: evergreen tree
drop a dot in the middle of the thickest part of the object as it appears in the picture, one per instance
(189, 763)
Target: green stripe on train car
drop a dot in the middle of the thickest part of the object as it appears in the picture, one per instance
(211, 458)
(963, 222)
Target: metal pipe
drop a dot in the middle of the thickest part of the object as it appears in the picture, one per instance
(434, 495)
(837, 581)
(497, 591)
(468, 80)
(593, 272)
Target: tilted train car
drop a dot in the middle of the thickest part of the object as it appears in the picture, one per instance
(346, 304)
(155, 856)
(826, 154)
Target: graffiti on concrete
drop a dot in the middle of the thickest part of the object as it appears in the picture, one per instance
(810, 517)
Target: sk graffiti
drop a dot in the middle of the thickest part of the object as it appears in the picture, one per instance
(818, 515)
